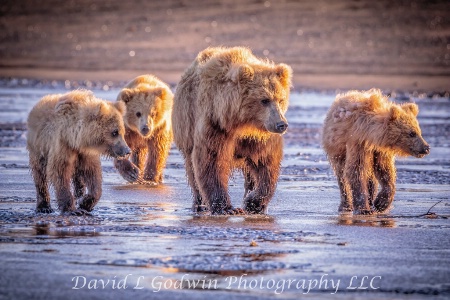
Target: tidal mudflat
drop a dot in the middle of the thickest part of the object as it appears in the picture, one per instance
(144, 242)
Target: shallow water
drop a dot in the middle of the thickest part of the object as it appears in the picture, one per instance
(302, 247)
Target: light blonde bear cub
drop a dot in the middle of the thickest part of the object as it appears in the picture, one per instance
(66, 135)
(362, 133)
(148, 129)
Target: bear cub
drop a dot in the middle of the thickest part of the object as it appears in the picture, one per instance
(362, 134)
(148, 129)
(67, 133)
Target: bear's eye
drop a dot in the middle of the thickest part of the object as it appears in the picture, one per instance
(138, 114)
(152, 114)
(412, 134)
(115, 133)
(265, 101)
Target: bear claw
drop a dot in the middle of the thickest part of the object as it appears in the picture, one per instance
(131, 176)
(45, 210)
(229, 211)
(78, 212)
(146, 182)
(365, 212)
(235, 211)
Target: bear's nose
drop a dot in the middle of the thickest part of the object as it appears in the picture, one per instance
(282, 126)
(145, 130)
(127, 151)
(425, 150)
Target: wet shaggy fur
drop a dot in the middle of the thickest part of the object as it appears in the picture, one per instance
(229, 113)
(362, 134)
(148, 129)
(66, 135)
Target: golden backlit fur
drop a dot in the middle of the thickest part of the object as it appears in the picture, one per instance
(66, 135)
(148, 128)
(362, 133)
(229, 112)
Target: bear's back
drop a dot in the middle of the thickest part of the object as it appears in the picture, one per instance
(148, 81)
(368, 101)
(57, 112)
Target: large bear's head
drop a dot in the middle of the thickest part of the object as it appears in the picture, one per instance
(146, 107)
(404, 132)
(254, 92)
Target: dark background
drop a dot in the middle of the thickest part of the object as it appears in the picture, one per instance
(329, 44)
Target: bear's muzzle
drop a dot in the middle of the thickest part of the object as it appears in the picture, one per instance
(282, 126)
(424, 151)
(120, 150)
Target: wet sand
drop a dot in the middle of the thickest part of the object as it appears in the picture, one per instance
(148, 244)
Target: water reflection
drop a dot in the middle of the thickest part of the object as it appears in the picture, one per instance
(140, 187)
(365, 221)
(61, 232)
(252, 221)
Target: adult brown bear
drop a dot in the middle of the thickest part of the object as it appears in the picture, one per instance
(228, 113)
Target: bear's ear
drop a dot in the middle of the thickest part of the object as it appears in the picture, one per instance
(284, 72)
(160, 92)
(241, 73)
(207, 53)
(65, 106)
(97, 111)
(125, 95)
(121, 107)
(411, 108)
(394, 113)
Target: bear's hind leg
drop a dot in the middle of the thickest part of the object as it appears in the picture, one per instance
(92, 173)
(373, 189)
(249, 182)
(38, 167)
(197, 205)
(79, 186)
(384, 167)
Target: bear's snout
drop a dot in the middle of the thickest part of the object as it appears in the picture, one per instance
(425, 151)
(120, 150)
(145, 130)
(282, 126)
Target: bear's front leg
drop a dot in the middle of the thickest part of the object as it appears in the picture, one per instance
(249, 182)
(358, 166)
(211, 161)
(127, 170)
(158, 150)
(265, 173)
(384, 167)
(91, 170)
(198, 205)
